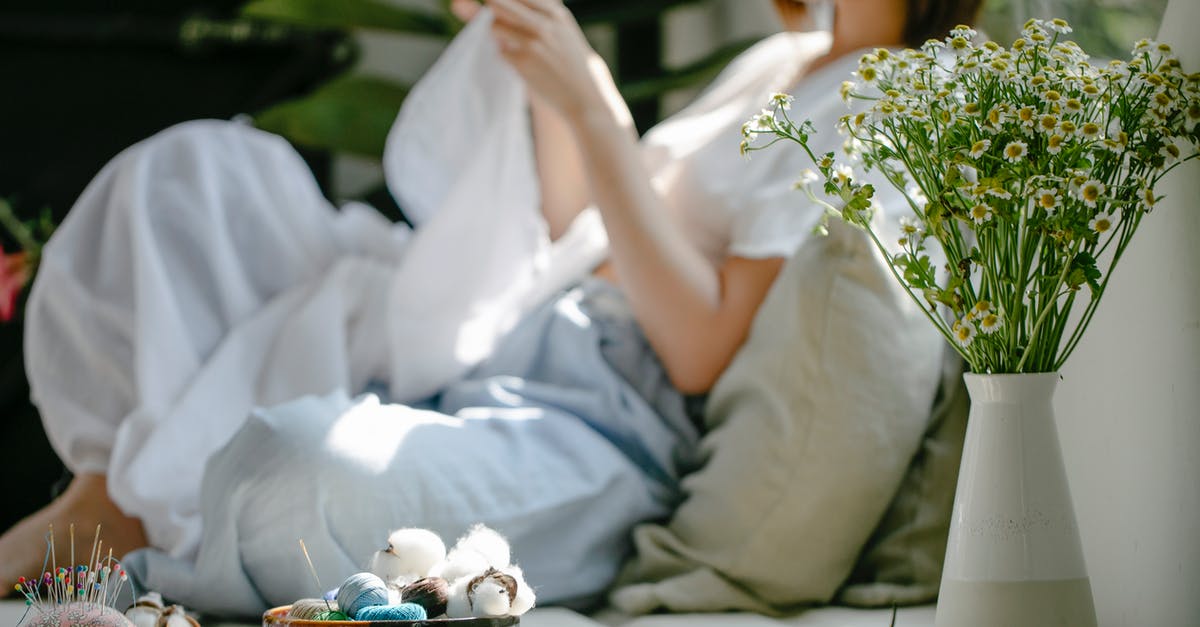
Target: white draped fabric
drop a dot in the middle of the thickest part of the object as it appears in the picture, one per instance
(202, 274)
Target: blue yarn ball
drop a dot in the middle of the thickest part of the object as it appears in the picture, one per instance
(359, 591)
(401, 611)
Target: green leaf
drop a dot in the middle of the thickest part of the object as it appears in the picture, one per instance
(351, 14)
(1084, 270)
(349, 114)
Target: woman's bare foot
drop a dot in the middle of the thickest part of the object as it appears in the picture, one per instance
(84, 504)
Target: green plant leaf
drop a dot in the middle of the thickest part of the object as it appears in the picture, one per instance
(349, 114)
(374, 14)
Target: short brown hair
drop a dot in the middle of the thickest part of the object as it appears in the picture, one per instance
(933, 19)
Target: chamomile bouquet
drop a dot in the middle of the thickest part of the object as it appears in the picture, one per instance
(1029, 166)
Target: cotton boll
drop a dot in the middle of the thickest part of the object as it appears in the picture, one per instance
(458, 605)
(461, 564)
(525, 598)
(480, 549)
(490, 597)
(487, 594)
(146, 610)
(143, 616)
(174, 616)
(410, 555)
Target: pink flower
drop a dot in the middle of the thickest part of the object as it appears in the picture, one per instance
(14, 274)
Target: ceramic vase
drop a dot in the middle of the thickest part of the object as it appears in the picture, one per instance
(1014, 556)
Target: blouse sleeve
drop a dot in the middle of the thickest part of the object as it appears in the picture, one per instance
(773, 218)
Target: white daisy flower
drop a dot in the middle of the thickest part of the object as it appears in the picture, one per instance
(1052, 97)
(1090, 192)
(1193, 115)
(1090, 130)
(1054, 144)
(842, 174)
(981, 213)
(964, 333)
(1148, 199)
(912, 229)
(1047, 199)
(807, 177)
(990, 323)
(1016, 150)
(1102, 223)
(1059, 25)
(846, 90)
(783, 101)
(1027, 116)
(966, 32)
(1047, 123)
(980, 147)
(1170, 153)
(998, 116)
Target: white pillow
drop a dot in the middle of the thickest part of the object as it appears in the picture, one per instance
(810, 432)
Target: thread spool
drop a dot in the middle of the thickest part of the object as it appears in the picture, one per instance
(430, 593)
(400, 611)
(359, 591)
(308, 609)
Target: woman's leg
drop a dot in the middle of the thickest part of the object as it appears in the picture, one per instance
(341, 474)
(85, 504)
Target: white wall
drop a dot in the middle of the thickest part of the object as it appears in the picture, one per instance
(1129, 407)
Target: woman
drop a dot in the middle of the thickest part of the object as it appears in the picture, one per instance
(571, 432)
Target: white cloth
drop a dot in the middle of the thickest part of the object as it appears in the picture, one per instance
(158, 321)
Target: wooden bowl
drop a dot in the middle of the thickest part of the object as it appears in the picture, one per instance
(277, 617)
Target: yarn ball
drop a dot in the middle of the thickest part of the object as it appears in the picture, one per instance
(309, 609)
(400, 611)
(359, 591)
(330, 615)
(430, 593)
(330, 595)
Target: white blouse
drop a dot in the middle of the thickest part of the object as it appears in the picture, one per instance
(733, 205)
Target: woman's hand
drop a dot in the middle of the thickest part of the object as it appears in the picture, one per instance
(465, 10)
(544, 44)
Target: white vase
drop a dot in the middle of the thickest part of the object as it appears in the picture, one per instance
(1014, 557)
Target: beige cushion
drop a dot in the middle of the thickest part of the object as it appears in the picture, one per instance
(902, 563)
(811, 430)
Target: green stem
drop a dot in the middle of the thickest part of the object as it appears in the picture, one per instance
(1062, 277)
(20, 232)
(937, 323)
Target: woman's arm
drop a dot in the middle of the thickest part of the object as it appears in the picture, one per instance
(694, 315)
(559, 165)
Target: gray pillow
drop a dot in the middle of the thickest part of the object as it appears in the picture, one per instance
(810, 432)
